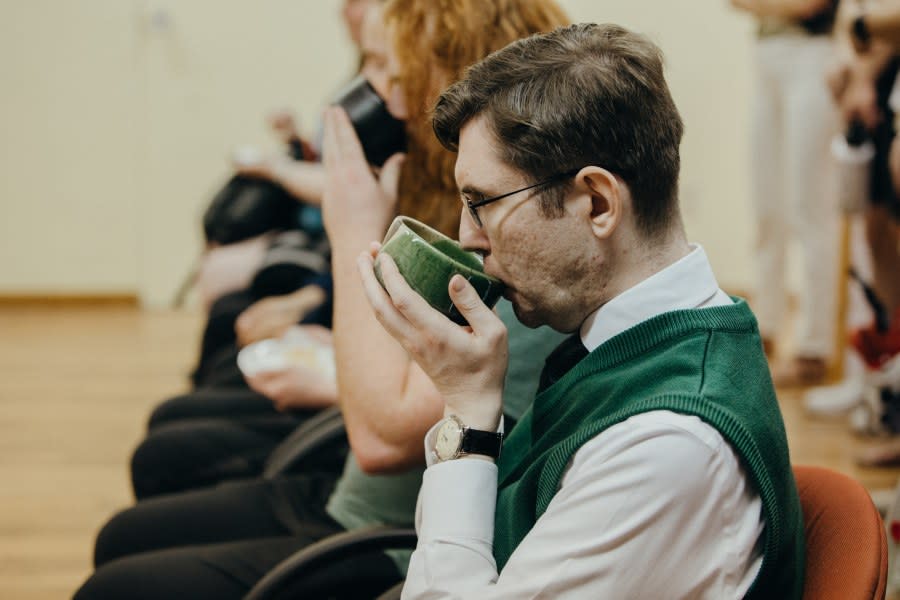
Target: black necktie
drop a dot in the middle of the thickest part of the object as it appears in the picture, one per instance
(565, 356)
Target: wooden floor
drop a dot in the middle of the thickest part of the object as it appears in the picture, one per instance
(76, 385)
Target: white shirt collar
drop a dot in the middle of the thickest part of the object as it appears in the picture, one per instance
(687, 283)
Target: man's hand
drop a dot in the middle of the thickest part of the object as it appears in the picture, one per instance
(466, 364)
(271, 317)
(355, 202)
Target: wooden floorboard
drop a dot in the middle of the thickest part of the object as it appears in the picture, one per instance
(76, 385)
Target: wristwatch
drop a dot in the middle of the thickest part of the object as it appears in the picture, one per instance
(454, 439)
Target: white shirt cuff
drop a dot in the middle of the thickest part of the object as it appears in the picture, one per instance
(458, 498)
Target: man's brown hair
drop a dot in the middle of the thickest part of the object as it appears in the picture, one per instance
(581, 95)
(436, 40)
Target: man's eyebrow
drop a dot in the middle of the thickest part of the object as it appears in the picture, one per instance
(471, 189)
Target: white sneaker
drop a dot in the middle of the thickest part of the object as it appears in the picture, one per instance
(835, 400)
(866, 417)
(883, 500)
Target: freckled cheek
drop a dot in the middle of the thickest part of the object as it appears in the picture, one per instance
(522, 270)
(516, 260)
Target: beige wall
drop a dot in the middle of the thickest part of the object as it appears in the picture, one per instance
(210, 79)
(67, 140)
(708, 53)
(117, 120)
(118, 117)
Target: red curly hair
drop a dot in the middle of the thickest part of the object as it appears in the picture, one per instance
(435, 41)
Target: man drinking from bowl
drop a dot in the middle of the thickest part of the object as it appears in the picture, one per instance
(654, 462)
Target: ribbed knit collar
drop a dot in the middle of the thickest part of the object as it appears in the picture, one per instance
(640, 341)
(641, 338)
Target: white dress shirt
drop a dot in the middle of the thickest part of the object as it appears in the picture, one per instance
(658, 506)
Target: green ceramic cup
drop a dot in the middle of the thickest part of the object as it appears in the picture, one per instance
(427, 259)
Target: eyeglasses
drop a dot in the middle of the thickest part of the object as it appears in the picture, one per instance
(472, 206)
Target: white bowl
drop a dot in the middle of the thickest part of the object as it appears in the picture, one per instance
(293, 349)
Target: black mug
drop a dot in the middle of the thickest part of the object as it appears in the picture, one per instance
(379, 132)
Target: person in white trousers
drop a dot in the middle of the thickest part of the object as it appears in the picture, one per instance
(792, 175)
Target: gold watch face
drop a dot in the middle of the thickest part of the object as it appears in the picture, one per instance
(449, 437)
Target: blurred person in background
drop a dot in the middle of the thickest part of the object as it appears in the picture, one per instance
(792, 192)
(226, 272)
(865, 86)
(223, 428)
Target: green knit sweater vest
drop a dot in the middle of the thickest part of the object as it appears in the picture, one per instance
(703, 362)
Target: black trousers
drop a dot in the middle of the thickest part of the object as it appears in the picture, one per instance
(206, 437)
(218, 542)
(221, 370)
(213, 403)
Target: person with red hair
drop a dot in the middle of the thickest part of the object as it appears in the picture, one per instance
(218, 542)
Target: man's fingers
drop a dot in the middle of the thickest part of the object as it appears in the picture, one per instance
(470, 305)
(382, 304)
(413, 307)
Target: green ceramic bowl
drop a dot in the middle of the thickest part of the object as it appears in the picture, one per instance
(427, 259)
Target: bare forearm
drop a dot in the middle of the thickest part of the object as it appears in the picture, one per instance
(304, 180)
(388, 403)
(883, 23)
(387, 407)
(783, 9)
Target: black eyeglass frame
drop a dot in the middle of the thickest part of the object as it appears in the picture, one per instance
(485, 201)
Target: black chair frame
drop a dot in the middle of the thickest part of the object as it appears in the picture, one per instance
(340, 546)
(322, 429)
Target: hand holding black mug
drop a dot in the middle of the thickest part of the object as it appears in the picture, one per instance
(380, 133)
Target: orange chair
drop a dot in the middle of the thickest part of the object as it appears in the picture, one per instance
(846, 545)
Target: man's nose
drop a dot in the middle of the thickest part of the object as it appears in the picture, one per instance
(471, 237)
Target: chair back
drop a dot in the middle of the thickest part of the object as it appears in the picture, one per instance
(846, 545)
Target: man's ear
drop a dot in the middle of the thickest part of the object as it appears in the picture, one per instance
(607, 196)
